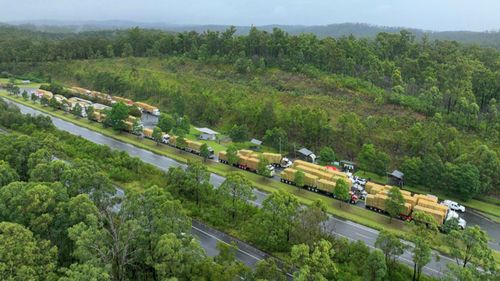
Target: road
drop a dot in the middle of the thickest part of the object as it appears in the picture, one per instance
(472, 218)
(338, 227)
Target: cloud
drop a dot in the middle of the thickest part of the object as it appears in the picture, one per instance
(427, 14)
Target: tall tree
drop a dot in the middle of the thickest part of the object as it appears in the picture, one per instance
(166, 123)
(395, 203)
(22, 256)
(157, 135)
(7, 174)
(421, 256)
(90, 113)
(375, 268)
(236, 190)
(341, 191)
(198, 185)
(232, 155)
(262, 168)
(391, 246)
(470, 246)
(277, 218)
(204, 152)
(299, 178)
(314, 263)
(116, 117)
(326, 155)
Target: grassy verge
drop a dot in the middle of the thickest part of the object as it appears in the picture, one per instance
(371, 176)
(362, 216)
(344, 211)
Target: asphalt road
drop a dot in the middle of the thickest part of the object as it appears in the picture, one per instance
(472, 218)
(339, 227)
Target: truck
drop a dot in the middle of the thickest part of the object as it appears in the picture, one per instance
(454, 206)
(148, 133)
(314, 183)
(252, 164)
(126, 101)
(144, 107)
(195, 147)
(416, 203)
(99, 116)
(277, 160)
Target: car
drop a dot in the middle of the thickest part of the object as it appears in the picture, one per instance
(362, 181)
(454, 205)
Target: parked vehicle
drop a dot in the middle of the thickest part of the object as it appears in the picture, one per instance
(144, 107)
(314, 183)
(427, 204)
(454, 205)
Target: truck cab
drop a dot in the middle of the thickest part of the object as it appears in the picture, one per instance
(156, 112)
(212, 153)
(165, 138)
(453, 215)
(454, 205)
(285, 163)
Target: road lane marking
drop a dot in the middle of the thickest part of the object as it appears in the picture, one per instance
(216, 238)
(364, 236)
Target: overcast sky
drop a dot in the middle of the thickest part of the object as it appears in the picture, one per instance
(475, 15)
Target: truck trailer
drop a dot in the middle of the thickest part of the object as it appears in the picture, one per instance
(144, 107)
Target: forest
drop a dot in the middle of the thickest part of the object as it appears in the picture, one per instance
(61, 218)
(428, 108)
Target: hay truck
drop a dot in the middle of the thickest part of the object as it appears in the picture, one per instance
(277, 160)
(195, 147)
(144, 107)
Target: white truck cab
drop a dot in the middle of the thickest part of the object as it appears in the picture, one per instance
(454, 205)
(156, 112)
(453, 215)
(285, 163)
(165, 138)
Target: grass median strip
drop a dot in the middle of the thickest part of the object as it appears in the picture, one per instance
(344, 211)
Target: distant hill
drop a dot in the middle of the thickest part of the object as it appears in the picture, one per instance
(486, 38)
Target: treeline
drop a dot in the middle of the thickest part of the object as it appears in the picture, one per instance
(74, 225)
(456, 86)
(430, 76)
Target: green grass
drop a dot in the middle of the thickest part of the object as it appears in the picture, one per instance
(20, 83)
(344, 211)
(193, 135)
(372, 176)
(359, 215)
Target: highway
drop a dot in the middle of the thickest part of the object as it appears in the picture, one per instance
(338, 227)
(472, 218)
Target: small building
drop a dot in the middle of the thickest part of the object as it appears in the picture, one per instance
(347, 166)
(207, 134)
(307, 155)
(396, 178)
(255, 144)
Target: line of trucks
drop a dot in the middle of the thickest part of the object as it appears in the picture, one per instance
(378, 196)
(323, 180)
(191, 146)
(316, 178)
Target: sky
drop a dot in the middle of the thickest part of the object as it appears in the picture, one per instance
(475, 15)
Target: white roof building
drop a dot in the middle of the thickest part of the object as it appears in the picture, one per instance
(207, 134)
